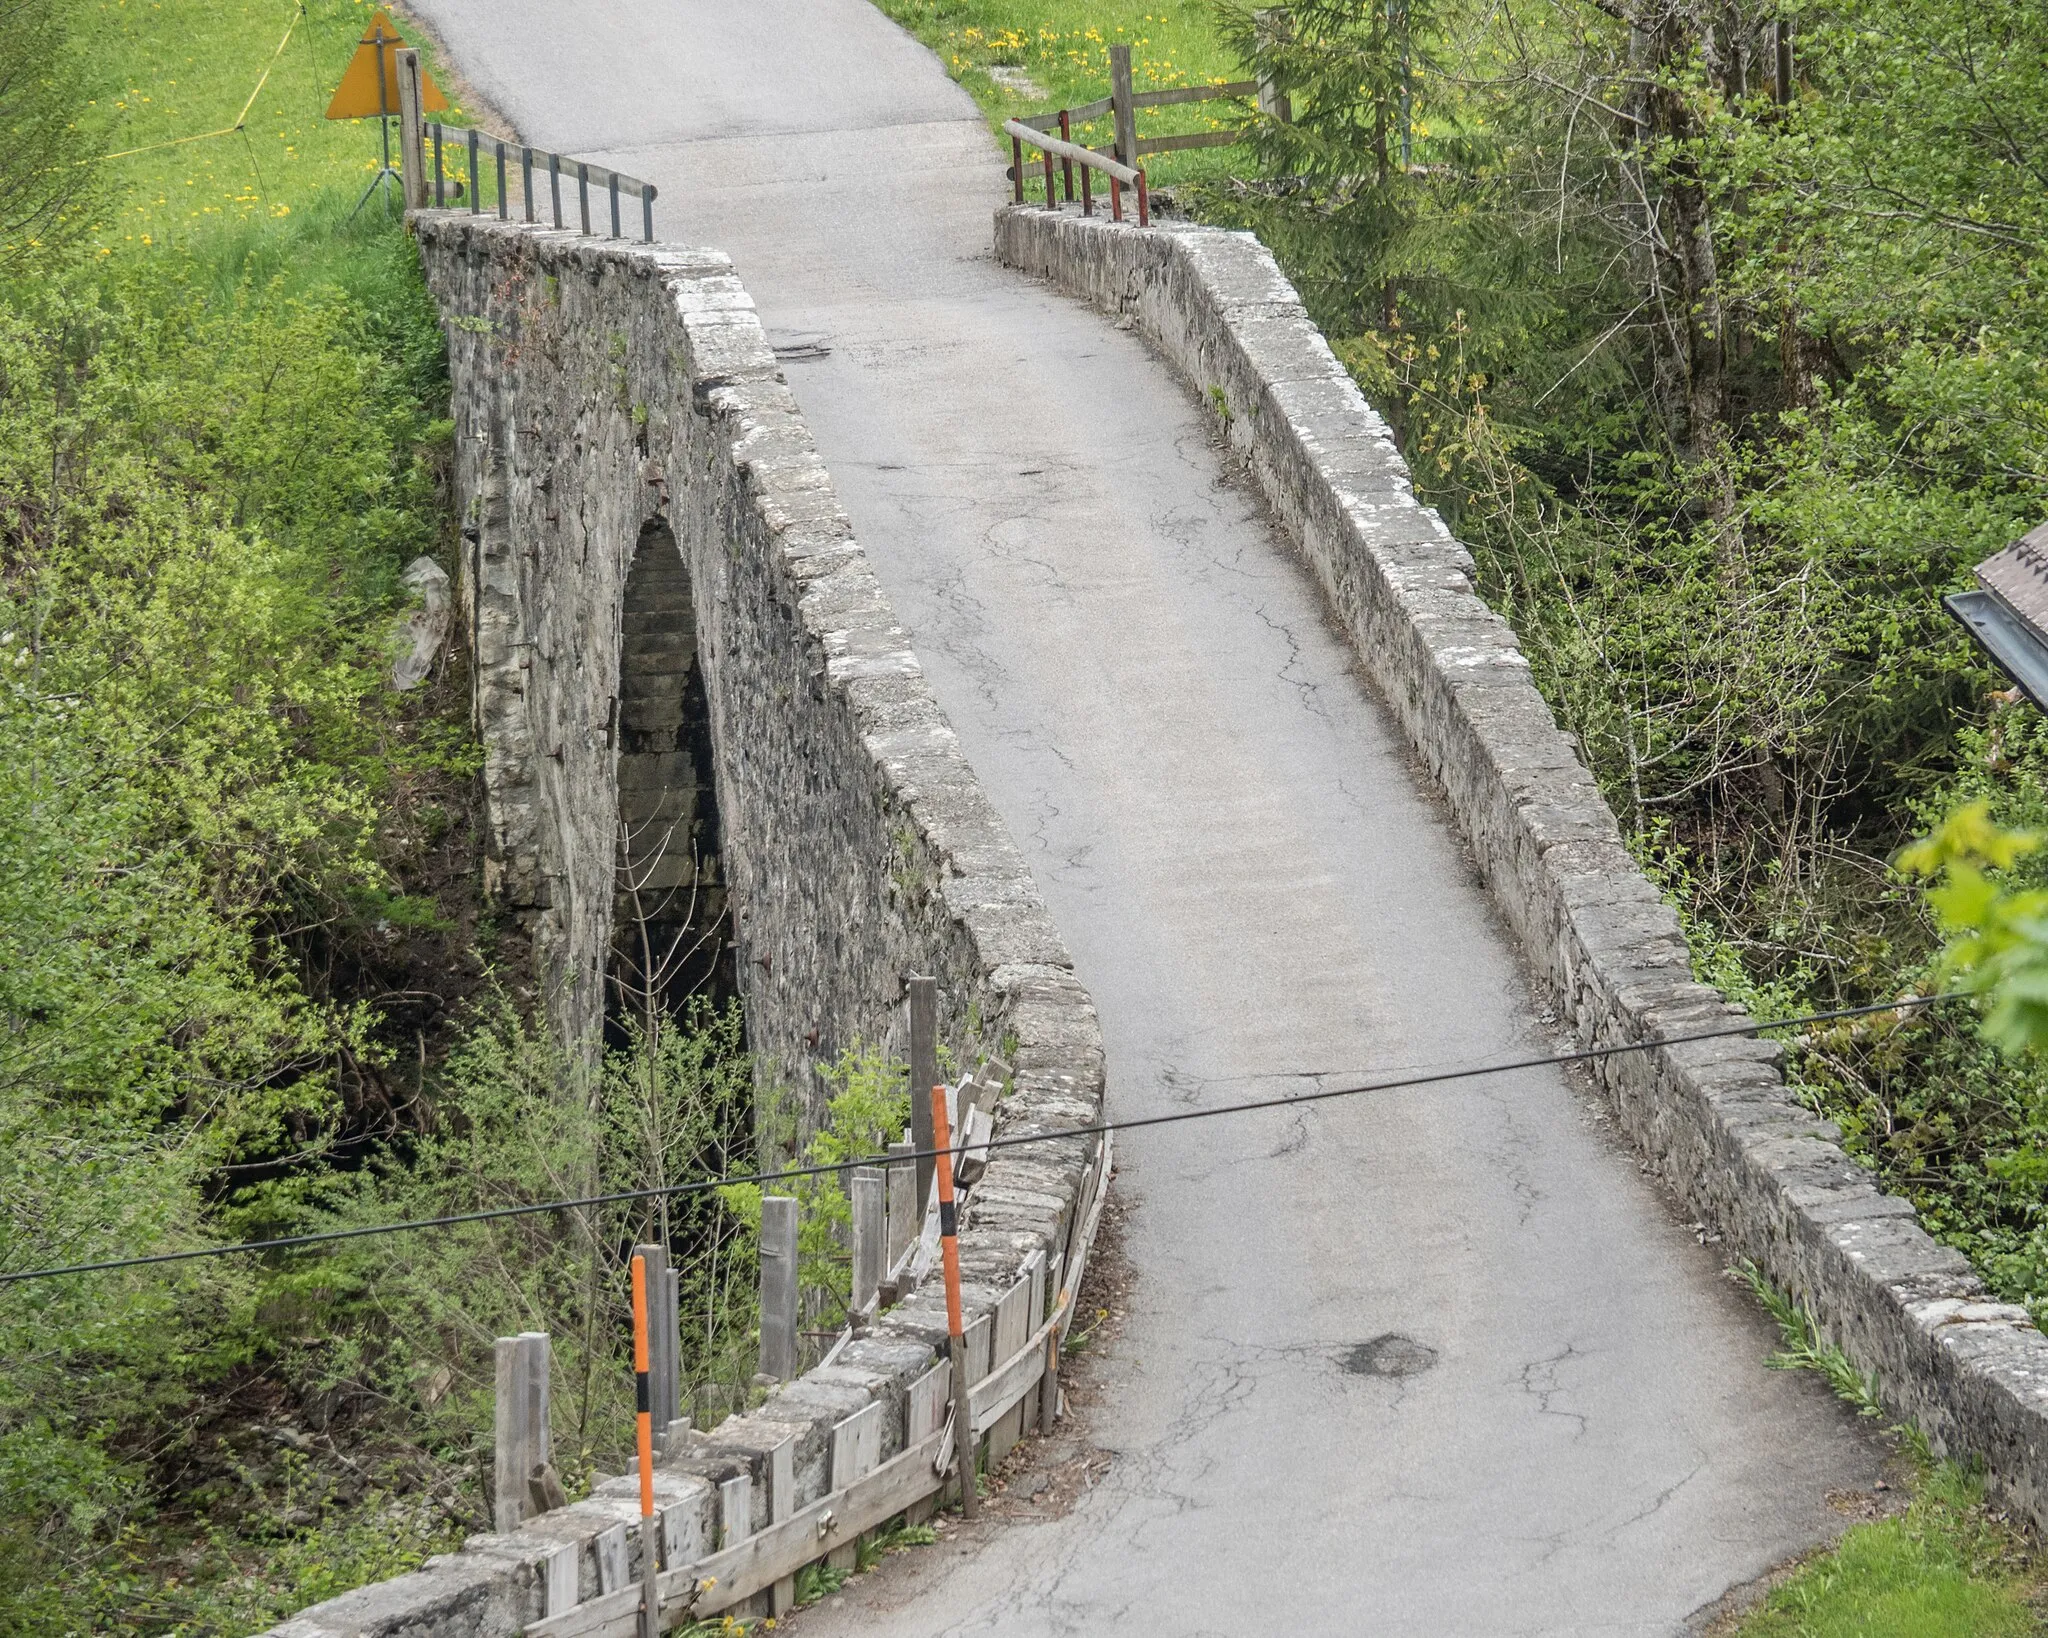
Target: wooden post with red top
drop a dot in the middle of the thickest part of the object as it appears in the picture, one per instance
(956, 1333)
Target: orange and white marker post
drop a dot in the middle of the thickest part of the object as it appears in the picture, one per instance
(650, 1572)
(956, 1336)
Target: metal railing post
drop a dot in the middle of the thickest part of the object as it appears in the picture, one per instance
(1066, 164)
(476, 195)
(526, 180)
(440, 177)
(1051, 198)
(583, 193)
(1087, 193)
(555, 185)
(1017, 170)
(503, 210)
(615, 204)
(647, 212)
(1144, 211)
(1116, 200)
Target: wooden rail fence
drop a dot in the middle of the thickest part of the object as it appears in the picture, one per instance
(1012, 1366)
(1126, 147)
(1010, 1362)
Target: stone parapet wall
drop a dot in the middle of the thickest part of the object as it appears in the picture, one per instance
(1714, 1120)
(600, 387)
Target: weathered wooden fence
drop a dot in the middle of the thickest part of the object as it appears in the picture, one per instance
(1012, 1364)
(1011, 1360)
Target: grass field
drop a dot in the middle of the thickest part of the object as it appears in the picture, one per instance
(1062, 47)
(169, 72)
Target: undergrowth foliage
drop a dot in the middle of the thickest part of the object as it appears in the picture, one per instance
(1947, 1564)
(222, 847)
(867, 1108)
(518, 1120)
(205, 500)
(249, 983)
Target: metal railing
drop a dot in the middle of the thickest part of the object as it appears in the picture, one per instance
(1071, 154)
(610, 184)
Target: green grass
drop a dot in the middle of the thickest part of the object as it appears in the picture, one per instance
(173, 69)
(1946, 1568)
(1063, 46)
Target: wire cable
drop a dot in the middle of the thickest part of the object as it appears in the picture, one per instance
(226, 130)
(1062, 1134)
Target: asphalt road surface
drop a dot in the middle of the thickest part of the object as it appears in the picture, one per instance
(1578, 1434)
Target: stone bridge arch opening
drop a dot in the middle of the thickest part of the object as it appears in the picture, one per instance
(671, 936)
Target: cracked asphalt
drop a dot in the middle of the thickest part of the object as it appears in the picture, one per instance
(1260, 894)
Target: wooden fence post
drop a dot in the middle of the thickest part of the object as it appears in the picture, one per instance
(924, 1070)
(735, 1510)
(870, 1235)
(672, 1328)
(1274, 24)
(782, 1503)
(412, 146)
(1122, 111)
(521, 1446)
(1009, 1327)
(856, 1452)
(778, 1288)
(1049, 1384)
(902, 1209)
(1035, 1269)
(924, 1414)
(559, 1572)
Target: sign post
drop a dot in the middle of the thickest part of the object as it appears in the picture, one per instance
(412, 130)
(370, 89)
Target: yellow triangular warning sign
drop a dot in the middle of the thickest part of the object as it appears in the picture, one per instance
(370, 87)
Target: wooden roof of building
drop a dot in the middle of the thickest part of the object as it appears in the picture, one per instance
(2018, 578)
(2008, 612)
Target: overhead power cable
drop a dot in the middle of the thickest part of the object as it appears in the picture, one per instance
(791, 1174)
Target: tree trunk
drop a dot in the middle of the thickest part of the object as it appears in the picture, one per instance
(1677, 248)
